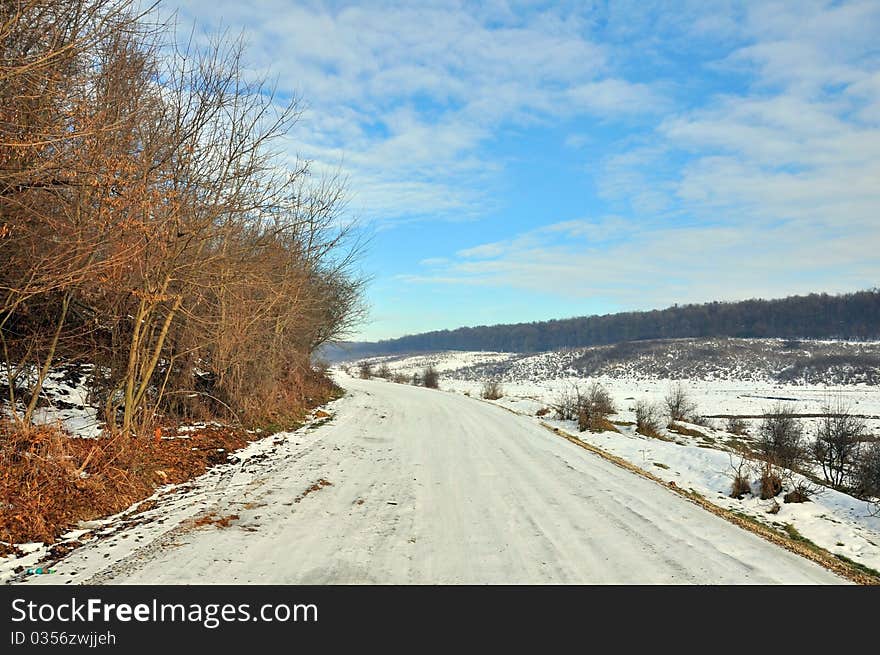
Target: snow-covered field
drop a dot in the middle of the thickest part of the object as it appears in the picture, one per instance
(838, 522)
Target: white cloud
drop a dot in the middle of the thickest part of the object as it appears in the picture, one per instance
(407, 95)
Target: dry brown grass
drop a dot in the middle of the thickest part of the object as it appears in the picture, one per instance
(214, 520)
(686, 431)
(599, 424)
(771, 481)
(49, 481)
(317, 486)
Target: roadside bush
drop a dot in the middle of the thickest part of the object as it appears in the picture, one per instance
(566, 404)
(492, 390)
(384, 372)
(593, 407)
(838, 439)
(365, 370)
(431, 378)
(780, 438)
(598, 401)
(647, 418)
(679, 404)
(399, 378)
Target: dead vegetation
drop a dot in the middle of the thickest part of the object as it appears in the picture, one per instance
(741, 483)
(679, 404)
(648, 420)
(492, 390)
(317, 486)
(49, 481)
(150, 227)
(212, 519)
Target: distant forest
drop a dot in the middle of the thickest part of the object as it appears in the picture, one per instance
(816, 316)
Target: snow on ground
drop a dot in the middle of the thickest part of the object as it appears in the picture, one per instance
(410, 485)
(442, 362)
(65, 399)
(836, 521)
(150, 521)
(367, 454)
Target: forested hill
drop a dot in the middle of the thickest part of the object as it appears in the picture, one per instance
(817, 316)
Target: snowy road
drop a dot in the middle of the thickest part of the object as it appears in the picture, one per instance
(431, 487)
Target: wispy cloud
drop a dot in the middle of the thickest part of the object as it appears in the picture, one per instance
(406, 96)
(620, 151)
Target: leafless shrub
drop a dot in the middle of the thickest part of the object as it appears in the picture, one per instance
(780, 438)
(647, 418)
(147, 223)
(566, 405)
(802, 489)
(383, 372)
(492, 390)
(770, 480)
(867, 472)
(838, 440)
(431, 378)
(365, 370)
(399, 378)
(737, 426)
(592, 407)
(679, 404)
(598, 401)
(741, 484)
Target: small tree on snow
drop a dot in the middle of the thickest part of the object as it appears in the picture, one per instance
(838, 439)
(780, 438)
(679, 404)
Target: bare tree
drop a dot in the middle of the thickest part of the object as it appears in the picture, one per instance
(679, 404)
(838, 440)
(780, 438)
(148, 224)
(867, 473)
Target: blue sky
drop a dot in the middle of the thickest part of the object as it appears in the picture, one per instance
(520, 161)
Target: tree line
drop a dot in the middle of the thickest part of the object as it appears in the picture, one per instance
(846, 316)
(150, 225)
